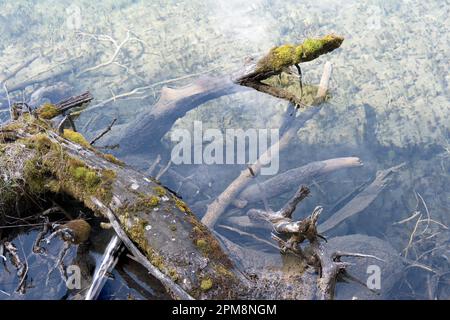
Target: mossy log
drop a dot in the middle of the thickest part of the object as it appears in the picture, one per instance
(37, 164)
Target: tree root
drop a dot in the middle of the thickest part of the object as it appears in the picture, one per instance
(290, 235)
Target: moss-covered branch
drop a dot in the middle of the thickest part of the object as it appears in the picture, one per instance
(279, 59)
(288, 55)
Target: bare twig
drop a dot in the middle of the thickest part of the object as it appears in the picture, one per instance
(118, 48)
(427, 211)
(163, 170)
(324, 83)
(289, 208)
(37, 243)
(22, 268)
(243, 233)
(415, 214)
(411, 237)
(11, 111)
(153, 166)
(142, 90)
(98, 137)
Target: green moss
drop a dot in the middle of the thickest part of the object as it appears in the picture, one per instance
(113, 159)
(282, 56)
(287, 55)
(157, 261)
(48, 111)
(53, 170)
(312, 45)
(41, 143)
(144, 203)
(35, 175)
(206, 284)
(87, 176)
(77, 138)
(222, 271)
(9, 194)
(152, 201)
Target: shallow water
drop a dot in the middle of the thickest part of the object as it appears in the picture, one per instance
(389, 100)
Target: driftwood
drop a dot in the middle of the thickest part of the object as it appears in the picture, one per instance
(291, 234)
(286, 181)
(159, 229)
(361, 201)
(218, 206)
(279, 59)
(173, 104)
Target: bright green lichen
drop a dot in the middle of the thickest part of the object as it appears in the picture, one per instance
(89, 177)
(173, 274)
(203, 246)
(144, 203)
(181, 205)
(152, 201)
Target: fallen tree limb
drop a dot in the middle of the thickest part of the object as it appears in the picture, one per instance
(219, 205)
(152, 125)
(103, 132)
(49, 111)
(292, 178)
(290, 235)
(361, 201)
